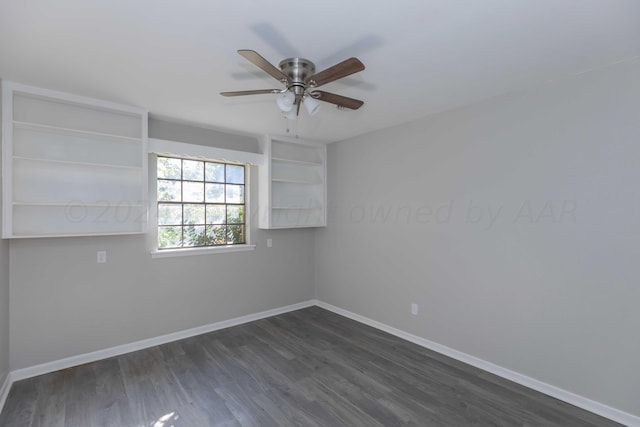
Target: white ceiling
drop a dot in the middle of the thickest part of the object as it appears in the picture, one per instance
(422, 57)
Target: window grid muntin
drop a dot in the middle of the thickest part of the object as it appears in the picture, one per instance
(226, 224)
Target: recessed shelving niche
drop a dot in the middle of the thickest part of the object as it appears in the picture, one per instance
(72, 166)
(293, 184)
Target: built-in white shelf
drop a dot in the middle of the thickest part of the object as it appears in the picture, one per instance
(293, 161)
(296, 181)
(292, 184)
(97, 205)
(56, 129)
(72, 166)
(72, 163)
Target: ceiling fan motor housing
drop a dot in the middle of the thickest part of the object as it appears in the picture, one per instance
(297, 69)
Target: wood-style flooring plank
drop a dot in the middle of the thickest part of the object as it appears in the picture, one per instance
(50, 412)
(310, 367)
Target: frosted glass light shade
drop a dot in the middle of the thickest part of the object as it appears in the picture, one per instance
(311, 105)
(285, 101)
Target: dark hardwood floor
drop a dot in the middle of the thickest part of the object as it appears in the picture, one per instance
(305, 368)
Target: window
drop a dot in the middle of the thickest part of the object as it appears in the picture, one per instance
(200, 203)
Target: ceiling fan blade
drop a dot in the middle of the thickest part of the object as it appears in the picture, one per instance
(339, 100)
(255, 58)
(338, 71)
(250, 92)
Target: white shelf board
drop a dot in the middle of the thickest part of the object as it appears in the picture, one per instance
(299, 208)
(295, 181)
(70, 131)
(79, 205)
(39, 236)
(84, 164)
(295, 162)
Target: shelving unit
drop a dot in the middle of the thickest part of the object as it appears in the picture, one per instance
(292, 184)
(72, 166)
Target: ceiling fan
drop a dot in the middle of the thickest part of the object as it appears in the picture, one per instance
(300, 82)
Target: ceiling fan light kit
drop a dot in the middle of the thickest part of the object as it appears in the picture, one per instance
(311, 105)
(285, 101)
(301, 80)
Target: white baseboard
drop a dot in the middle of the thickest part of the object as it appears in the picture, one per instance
(81, 359)
(548, 389)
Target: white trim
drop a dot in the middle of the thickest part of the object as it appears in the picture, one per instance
(548, 389)
(145, 168)
(183, 149)
(64, 97)
(294, 140)
(69, 362)
(7, 155)
(169, 253)
(4, 390)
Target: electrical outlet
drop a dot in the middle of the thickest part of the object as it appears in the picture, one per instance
(102, 257)
(269, 243)
(414, 309)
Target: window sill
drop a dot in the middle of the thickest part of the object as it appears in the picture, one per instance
(169, 253)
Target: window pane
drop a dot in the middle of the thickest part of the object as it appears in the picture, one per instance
(200, 203)
(169, 168)
(193, 191)
(235, 174)
(169, 237)
(235, 234)
(217, 234)
(235, 214)
(193, 170)
(169, 214)
(215, 193)
(215, 214)
(194, 235)
(214, 172)
(235, 193)
(193, 214)
(168, 191)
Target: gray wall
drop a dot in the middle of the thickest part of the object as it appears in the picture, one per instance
(181, 132)
(513, 224)
(64, 304)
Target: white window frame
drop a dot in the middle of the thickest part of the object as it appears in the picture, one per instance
(160, 147)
